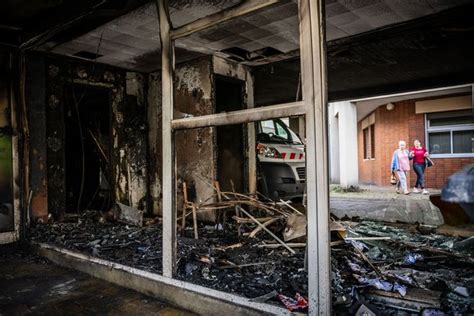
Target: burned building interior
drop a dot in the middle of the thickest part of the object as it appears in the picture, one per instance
(120, 151)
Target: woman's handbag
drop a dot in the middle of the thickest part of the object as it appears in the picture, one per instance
(428, 162)
(393, 179)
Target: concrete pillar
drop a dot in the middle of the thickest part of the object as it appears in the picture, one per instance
(333, 124)
(343, 126)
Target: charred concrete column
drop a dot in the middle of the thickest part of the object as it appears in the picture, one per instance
(154, 142)
(195, 158)
(36, 102)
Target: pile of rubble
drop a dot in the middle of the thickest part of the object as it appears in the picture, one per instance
(258, 251)
(397, 268)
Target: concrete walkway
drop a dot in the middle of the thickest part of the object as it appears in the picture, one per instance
(29, 285)
(383, 204)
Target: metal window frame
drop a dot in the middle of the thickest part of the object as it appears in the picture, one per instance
(450, 129)
(314, 106)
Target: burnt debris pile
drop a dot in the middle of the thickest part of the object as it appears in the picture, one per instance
(396, 268)
(376, 267)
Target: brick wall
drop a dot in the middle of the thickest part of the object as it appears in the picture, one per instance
(401, 123)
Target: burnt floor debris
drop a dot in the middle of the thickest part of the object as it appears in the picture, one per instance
(384, 267)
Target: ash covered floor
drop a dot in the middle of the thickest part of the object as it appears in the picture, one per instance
(388, 268)
(32, 285)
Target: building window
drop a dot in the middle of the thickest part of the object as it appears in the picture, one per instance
(450, 134)
(369, 142)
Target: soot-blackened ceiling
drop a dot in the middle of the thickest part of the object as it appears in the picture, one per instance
(373, 46)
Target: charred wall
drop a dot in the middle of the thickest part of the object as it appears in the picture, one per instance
(194, 149)
(154, 142)
(35, 95)
(128, 130)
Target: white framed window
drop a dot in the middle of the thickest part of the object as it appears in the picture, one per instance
(450, 134)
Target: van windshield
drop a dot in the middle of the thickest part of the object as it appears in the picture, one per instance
(276, 131)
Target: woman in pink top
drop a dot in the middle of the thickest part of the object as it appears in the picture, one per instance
(419, 154)
(401, 165)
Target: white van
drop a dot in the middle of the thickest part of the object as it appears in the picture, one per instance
(280, 160)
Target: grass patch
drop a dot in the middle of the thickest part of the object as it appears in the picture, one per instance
(348, 189)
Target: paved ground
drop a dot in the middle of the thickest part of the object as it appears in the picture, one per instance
(31, 286)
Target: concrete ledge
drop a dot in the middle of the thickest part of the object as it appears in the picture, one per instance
(195, 298)
(397, 209)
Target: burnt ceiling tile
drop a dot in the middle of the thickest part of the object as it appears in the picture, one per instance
(279, 12)
(410, 10)
(257, 34)
(383, 20)
(358, 4)
(215, 34)
(278, 42)
(185, 11)
(236, 40)
(356, 27)
(334, 9)
(103, 32)
(332, 32)
(370, 11)
(238, 26)
(252, 46)
(257, 20)
(343, 19)
(151, 26)
(134, 41)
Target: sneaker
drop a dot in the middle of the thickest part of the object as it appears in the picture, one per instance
(425, 192)
(406, 192)
(415, 190)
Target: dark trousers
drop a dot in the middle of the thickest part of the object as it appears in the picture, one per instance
(420, 175)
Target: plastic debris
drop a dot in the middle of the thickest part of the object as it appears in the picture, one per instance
(461, 290)
(412, 258)
(299, 302)
(401, 289)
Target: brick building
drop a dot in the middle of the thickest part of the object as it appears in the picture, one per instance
(443, 120)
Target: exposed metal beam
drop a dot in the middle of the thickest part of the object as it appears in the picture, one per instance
(169, 211)
(317, 176)
(244, 8)
(241, 116)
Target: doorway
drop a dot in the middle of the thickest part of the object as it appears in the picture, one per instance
(230, 139)
(88, 172)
